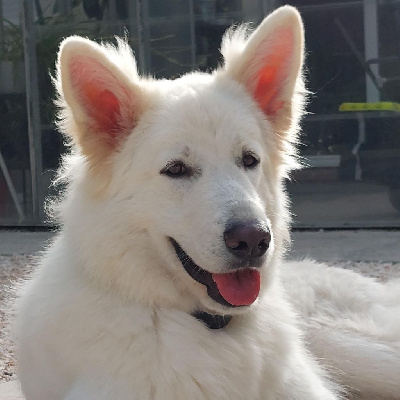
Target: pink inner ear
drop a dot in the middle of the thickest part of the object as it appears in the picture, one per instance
(95, 87)
(275, 66)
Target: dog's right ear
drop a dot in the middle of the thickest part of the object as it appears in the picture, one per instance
(100, 104)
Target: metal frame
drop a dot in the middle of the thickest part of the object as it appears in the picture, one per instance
(267, 6)
(143, 36)
(371, 46)
(32, 104)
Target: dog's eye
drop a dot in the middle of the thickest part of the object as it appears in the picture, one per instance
(249, 160)
(176, 170)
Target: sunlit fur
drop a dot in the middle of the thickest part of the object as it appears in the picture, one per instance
(108, 312)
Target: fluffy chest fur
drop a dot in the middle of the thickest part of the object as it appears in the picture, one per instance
(151, 352)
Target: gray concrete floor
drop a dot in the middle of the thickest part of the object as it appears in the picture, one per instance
(361, 245)
(23, 242)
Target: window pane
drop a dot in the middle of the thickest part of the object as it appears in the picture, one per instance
(353, 149)
(15, 188)
(350, 140)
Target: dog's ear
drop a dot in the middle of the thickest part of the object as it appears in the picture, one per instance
(100, 104)
(269, 63)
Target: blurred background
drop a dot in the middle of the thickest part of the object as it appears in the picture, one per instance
(351, 136)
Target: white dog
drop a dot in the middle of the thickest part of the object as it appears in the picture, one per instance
(166, 281)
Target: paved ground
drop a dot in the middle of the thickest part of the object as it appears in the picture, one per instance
(22, 242)
(370, 246)
(379, 245)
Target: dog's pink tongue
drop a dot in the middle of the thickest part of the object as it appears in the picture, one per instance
(240, 288)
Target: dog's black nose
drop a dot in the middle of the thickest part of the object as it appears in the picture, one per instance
(248, 241)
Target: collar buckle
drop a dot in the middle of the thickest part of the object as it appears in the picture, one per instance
(212, 321)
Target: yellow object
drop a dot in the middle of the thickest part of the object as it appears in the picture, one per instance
(379, 106)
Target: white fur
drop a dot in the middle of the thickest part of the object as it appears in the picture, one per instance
(107, 315)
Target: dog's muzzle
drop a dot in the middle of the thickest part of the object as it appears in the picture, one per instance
(232, 289)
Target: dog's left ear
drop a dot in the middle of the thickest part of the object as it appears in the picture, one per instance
(269, 63)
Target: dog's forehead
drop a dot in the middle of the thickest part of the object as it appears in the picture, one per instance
(203, 105)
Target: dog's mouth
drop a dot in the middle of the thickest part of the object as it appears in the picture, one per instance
(233, 289)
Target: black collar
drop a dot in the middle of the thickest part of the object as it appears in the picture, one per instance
(213, 321)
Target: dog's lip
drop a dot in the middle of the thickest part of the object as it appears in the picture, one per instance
(201, 275)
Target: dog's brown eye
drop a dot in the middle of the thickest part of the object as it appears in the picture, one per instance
(249, 161)
(176, 170)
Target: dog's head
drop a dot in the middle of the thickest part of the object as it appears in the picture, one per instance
(176, 192)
